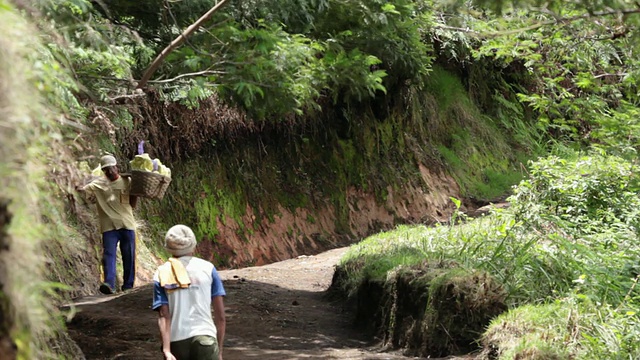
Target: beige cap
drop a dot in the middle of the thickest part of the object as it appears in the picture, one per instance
(180, 240)
(107, 160)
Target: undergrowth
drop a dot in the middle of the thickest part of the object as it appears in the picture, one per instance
(30, 146)
(570, 236)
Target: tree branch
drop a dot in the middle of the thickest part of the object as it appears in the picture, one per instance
(458, 29)
(175, 22)
(605, 75)
(199, 73)
(121, 99)
(176, 43)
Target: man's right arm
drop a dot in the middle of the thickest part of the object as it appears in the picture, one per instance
(220, 321)
(133, 201)
(164, 323)
(87, 192)
(161, 304)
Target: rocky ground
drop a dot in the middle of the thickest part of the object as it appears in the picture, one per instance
(277, 311)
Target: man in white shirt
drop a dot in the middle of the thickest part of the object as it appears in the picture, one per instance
(183, 291)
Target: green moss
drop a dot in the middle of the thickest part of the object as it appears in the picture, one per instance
(207, 213)
(446, 87)
(450, 157)
(204, 206)
(311, 219)
(105, 144)
(481, 151)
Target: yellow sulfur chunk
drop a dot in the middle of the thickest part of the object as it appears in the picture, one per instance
(163, 170)
(84, 167)
(97, 171)
(142, 162)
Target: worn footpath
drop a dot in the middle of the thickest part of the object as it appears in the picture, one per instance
(277, 311)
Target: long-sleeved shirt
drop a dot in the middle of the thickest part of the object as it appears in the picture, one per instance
(114, 210)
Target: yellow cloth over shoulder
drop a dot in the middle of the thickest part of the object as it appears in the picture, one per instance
(174, 276)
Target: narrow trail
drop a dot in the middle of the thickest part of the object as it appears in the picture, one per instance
(277, 311)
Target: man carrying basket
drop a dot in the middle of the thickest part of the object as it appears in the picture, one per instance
(115, 213)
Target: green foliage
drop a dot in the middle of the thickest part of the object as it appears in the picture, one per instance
(618, 130)
(189, 94)
(298, 16)
(349, 74)
(155, 20)
(570, 328)
(583, 73)
(390, 31)
(272, 60)
(586, 194)
(278, 60)
(610, 333)
(30, 141)
(591, 7)
(271, 72)
(571, 233)
(99, 54)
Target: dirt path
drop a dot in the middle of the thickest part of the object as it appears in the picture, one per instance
(277, 311)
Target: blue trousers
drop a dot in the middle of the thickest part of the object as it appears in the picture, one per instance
(127, 240)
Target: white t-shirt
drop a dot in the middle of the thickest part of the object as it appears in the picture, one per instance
(190, 308)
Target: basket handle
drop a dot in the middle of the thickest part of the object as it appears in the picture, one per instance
(159, 187)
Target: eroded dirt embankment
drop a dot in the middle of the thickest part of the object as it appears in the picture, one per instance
(291, 234)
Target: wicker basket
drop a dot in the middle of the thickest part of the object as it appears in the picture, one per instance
(148, 184)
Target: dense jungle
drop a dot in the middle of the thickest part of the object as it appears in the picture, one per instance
(373, 179)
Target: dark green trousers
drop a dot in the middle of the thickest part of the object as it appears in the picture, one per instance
(196, 348)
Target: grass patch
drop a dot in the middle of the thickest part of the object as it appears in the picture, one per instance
(530, 332)
(571, 233)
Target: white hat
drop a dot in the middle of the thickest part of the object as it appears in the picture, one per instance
(180, 240)
(107, 160)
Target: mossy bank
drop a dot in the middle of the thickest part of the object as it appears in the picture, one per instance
(258, 192)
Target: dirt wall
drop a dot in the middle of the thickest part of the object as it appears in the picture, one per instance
(291, 234)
